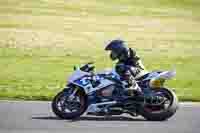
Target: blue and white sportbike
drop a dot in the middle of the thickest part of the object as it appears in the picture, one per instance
(104, 94)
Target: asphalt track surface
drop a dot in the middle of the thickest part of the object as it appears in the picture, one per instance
(37, 117)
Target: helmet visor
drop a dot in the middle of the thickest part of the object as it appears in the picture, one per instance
(113, 55)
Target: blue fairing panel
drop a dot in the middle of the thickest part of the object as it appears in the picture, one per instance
(82, 82)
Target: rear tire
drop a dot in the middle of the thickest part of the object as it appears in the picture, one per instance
(69, 115)
(165, 114)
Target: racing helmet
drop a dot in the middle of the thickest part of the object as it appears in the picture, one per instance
(119, 50)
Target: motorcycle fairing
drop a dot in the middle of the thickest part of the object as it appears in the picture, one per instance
(82, 79)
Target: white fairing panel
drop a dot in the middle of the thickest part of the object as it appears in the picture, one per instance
(88, 88)
(166, 75)
(77, 74)
(103, 84)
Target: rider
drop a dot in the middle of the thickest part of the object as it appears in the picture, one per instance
(129, 65)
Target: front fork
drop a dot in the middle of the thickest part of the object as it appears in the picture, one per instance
(73, 93)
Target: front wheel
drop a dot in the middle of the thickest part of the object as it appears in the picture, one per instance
(163, 111)
(69, 104)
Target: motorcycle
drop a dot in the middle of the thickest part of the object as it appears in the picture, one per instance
(104, 94)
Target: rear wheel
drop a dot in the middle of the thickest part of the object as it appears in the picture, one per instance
(69, 104)
(161, 111)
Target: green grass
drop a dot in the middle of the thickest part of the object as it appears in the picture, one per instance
(41, 40)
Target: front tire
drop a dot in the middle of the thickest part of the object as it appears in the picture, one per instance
(165, 114)
(59, 106)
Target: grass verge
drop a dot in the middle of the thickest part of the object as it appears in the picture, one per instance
(41, 40)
